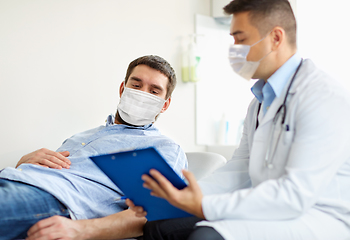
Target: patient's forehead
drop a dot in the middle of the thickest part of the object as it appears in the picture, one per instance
(148, 73)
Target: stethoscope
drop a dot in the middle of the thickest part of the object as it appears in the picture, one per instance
(281, 112)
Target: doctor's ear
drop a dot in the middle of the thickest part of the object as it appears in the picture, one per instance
(166, 105)
(278, 36)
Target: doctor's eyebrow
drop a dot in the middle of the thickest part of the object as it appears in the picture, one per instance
(236, 33)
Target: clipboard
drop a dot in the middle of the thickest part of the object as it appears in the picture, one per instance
(125, 170)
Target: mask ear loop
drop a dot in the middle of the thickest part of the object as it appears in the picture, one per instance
(124, 86)
(260, 41)
(264, 56)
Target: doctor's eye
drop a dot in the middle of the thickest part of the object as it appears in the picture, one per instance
(154, 92)
(239, 41)
(136, 85)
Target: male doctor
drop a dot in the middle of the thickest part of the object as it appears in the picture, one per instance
(290, 176)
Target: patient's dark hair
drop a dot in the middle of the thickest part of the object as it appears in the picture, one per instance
(267, 14)
(158, 64)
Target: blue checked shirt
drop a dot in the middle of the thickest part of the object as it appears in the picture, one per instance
(84, 188)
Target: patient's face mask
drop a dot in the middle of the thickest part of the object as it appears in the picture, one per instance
(238, 60)
(138, 107)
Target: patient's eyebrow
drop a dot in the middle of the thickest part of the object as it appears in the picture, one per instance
(136, 79)
(156, 86)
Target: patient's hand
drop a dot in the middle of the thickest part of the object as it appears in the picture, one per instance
(47, 158)
(57, 227)
(139, 212)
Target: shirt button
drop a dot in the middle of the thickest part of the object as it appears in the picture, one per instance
(19, 169)
(83, 144)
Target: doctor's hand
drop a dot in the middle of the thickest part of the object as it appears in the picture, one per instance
(188, 199)
(47, 158)
(57, 227)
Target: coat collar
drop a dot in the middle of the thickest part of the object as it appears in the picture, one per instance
(298, 82)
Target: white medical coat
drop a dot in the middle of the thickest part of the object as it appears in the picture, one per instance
(311, 163)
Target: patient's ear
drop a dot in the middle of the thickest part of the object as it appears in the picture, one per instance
(121, 89)
(166, 105)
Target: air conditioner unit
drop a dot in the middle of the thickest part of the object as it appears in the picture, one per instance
(217, 11)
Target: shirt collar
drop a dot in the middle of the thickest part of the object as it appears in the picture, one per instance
(279, 79)
(257, 90)
(111, 119)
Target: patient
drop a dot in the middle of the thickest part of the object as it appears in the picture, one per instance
(67, 183)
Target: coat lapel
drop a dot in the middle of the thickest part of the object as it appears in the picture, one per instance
(271, 113)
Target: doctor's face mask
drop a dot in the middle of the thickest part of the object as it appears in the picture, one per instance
(139, 108)
(238, 60)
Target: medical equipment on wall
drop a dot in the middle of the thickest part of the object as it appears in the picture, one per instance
(191, 59)
(281, 113)
(223, 130)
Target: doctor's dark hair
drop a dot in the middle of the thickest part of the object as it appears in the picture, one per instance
(267, 14)
(158, 64)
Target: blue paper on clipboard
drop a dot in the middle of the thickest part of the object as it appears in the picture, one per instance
(125, 170)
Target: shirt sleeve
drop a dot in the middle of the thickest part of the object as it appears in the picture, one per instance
(320, 148)
(174, 156)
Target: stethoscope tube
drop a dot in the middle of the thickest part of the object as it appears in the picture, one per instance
(284, 106)
(281, 110)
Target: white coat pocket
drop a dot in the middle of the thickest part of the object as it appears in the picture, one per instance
(288, 135)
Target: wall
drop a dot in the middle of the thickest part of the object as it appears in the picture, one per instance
(61, 64)
(323, 36)
(219, 118)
